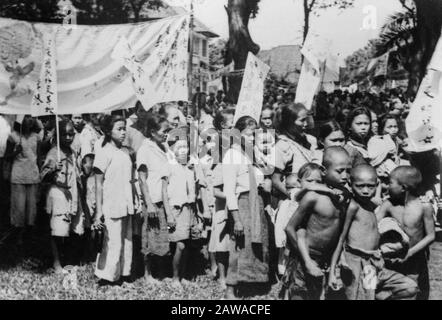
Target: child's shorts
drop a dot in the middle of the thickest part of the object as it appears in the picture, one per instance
(60, 225)
(58, 206)
(183, 221)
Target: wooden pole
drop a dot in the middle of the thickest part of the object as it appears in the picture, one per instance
(57, 133)
(190, 67)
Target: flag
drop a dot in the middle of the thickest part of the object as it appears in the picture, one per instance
(424, 122)
(89, 79)
(315, 52)
(252, 89)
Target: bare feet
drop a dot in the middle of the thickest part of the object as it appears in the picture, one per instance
(57, 268)
(149, 280)
(222, 284)
(185, 282)
(176, 284)
(213, 271)
(230, 293)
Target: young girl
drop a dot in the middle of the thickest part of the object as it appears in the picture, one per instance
(62, 198)
(358, 133)
(153, 172)
(267, 118)
(330, 135)
(390, 126)
(248, 251)
(181, 203)
(114, 202)
(25, 175)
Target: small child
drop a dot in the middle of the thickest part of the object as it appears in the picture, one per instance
(313, 231)
(367, 278)
(416, 219)
(62, 198)
(182, 198)
(310, 178)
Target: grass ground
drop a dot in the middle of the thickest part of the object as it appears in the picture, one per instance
(29, 278)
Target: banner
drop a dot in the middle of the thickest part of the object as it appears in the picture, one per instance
(89, 79)
(44, 101)
(252, 89)
(424, 122)
(379, 66)
(315, 52)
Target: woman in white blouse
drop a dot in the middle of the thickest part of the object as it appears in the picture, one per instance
(248, 249)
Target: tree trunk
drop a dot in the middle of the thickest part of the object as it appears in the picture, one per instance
(306, 21)
(240, 42)
(428, 32)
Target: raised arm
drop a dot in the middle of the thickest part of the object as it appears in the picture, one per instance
(383, 210)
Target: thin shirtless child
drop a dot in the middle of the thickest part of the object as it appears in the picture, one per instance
(322, 217)
(416, 219)
(367, 278)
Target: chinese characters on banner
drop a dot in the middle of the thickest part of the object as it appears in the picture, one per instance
(44, 101)
(424, 122)
(163, 76)
(252, 89)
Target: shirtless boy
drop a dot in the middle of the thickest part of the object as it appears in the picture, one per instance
(322, 218)
(367, 278)
(416, 219)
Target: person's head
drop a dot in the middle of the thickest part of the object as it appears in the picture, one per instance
(310, 174)
(246, 125)
(331, 135)
(396, 107)
(404, 179)
(374, 123)
(359, 123)
(224, 119)
(28, 125)
(179, 144)
(77, 121)
(267, 118)
(364, 181)
(173, 117)
(182, 107)
(87, 164)
(155, 127)
(67, 133)
(93, 118)
(337, 165)
(390, 126)
(292, 118)
(114, 129)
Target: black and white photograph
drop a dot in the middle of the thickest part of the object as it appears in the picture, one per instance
(220, 150)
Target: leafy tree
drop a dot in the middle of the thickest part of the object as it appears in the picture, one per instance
(315, 6)
(88, 11)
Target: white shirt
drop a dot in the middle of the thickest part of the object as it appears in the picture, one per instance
(5, 131)
(117, 189)
(157, 165)
(235, 171)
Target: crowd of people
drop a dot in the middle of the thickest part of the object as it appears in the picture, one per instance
(331, 202)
